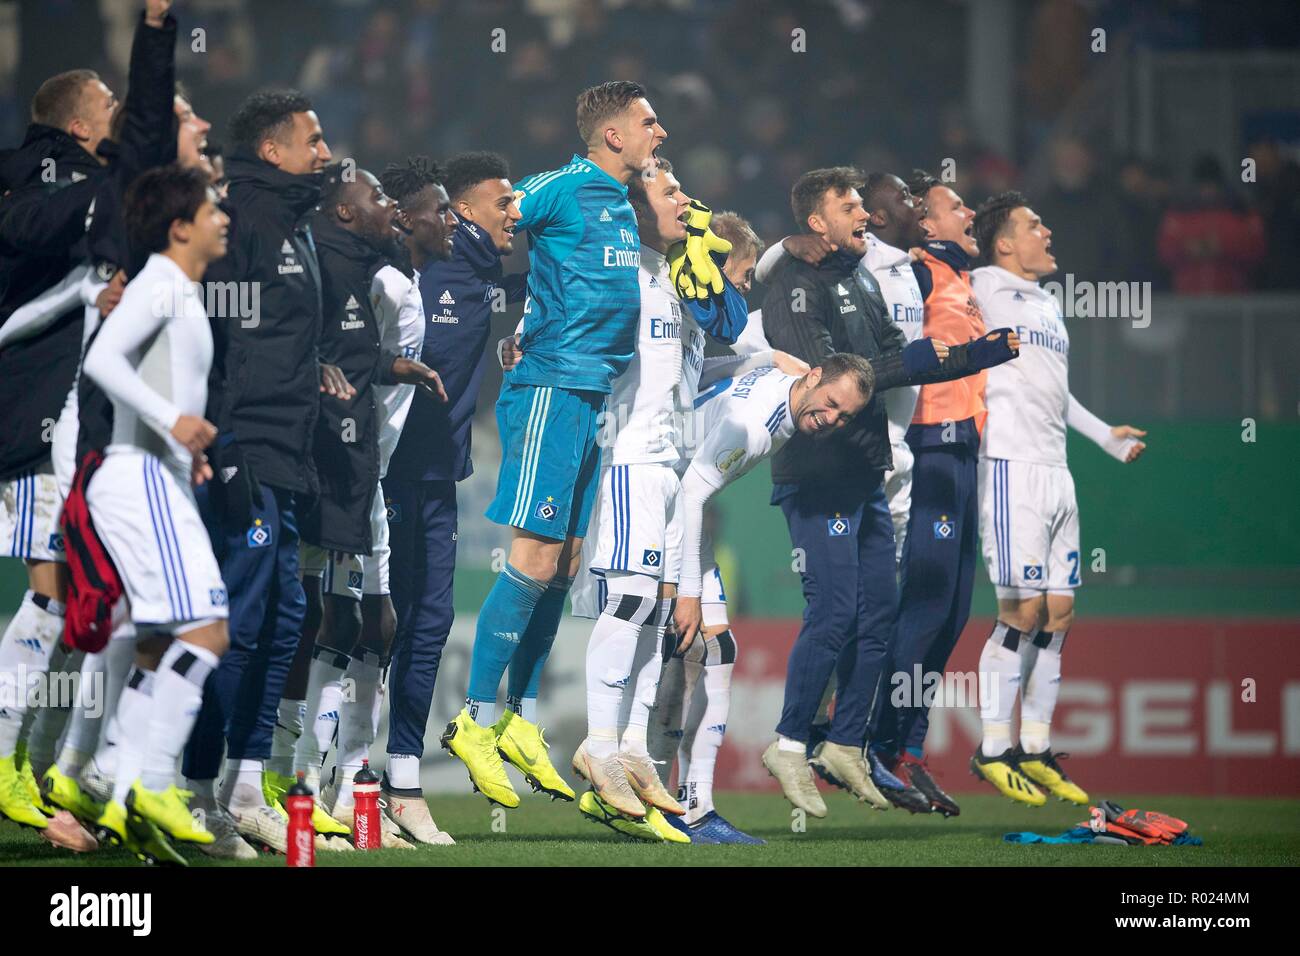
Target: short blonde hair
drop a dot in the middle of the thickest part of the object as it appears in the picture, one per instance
(733, 227)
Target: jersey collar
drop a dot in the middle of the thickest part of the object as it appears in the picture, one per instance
(622, 187)
(881, 255)
(654, 262)
(1009, 279)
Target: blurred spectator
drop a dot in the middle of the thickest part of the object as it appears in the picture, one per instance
(1276, 192)
(1211, 241)
(1082, 213)
(1144, 194)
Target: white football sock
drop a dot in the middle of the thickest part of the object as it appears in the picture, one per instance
(482, 712)
(525, 707)
(121, 654)
(708, 740)
(324, 695)
(650, 657)
(25, 651)
(134, 710)
(692, 671)
(706, 724)
(52, 719)
(999, 673)
(666, 718)
(290, 717)
(87, 716)
(358, 719)
(177, 695)
(611, 652)
(403, 771)
(1038, 698)
(205, 792)
(241, 786)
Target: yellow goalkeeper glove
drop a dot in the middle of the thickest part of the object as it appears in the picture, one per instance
(679, 273)
(693, 271)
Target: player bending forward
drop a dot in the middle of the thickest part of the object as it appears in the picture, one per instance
(152, 358)
(742, 422)
(1029, 519)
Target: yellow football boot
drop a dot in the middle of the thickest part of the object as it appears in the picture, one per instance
(655, 819)
(63, 791)
(598, 811)
(15, 800)
(524, 745)
(1001, 772)
(477, 748)
(169, 810)
(275, 787)
(1043, 769)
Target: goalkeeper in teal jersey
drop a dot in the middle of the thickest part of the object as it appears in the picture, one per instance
(580, 330)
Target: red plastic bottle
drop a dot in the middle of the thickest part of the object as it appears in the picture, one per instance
(366, 833)
(302, 836)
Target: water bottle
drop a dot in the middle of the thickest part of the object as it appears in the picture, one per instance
(302, 835)
(366, 832)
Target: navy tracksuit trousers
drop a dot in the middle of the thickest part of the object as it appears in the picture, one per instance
(259, 565)
(938, 569)
(422, 535)
(846, 538)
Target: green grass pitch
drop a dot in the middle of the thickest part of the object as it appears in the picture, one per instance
(541, 833)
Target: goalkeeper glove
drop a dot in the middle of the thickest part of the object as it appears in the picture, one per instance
(702, 276)
(679, 273)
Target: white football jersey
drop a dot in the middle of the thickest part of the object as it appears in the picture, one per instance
(892, 270)
(752, 338)
(641, 422)
(741, 421)
(152, 357)
(1028, 400)
(399, 310)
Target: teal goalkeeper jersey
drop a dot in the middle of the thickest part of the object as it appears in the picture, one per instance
(583, 304)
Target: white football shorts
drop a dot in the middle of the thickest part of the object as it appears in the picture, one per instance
(1029, 527)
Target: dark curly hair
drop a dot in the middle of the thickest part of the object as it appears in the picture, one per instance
(266, 114)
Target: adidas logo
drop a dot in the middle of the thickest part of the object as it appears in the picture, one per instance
(286, 249)
(893, 270)
(510, 637)
(605, 216)
(77, 177)
(839, 288)
(1018, 297)
(445, 298)
(351, 303)
(31, 643)
(332, 715)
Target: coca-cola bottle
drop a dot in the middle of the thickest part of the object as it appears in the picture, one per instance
(302, 836)
(366, 833)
